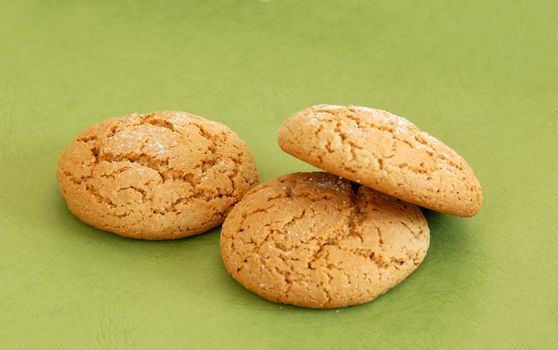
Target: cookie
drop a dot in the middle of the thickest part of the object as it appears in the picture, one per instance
(317, 240)
(162, 175)
(385, 152)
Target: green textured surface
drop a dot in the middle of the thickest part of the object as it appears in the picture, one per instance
(480, 76)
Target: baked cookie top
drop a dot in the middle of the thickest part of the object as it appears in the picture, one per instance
(317, 240)
(385, 152)
(161, 175)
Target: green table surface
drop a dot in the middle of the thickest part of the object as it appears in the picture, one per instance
(482, 76)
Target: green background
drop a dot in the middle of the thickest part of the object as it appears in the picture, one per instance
(481, 76)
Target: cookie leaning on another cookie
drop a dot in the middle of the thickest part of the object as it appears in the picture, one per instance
(319, 241)
(385, 152)
(162, 175)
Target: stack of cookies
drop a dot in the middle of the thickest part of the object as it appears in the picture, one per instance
(320, 240)
(328, 240)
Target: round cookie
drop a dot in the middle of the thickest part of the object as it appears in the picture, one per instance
(385, 152)
(162, 175)
(316, 240)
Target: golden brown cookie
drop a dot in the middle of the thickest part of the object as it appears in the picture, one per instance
(385, 152)
(162, 175)
(320, 241)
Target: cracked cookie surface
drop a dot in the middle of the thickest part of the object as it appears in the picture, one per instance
(385, 152)
(320, 241)
(162, 175)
